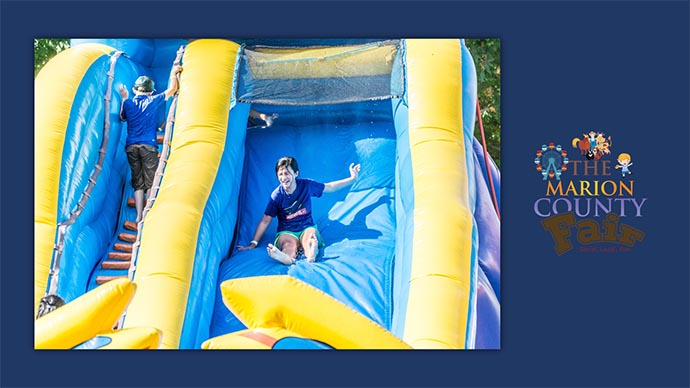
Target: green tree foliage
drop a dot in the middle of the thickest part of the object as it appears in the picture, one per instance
(45, 49)
(487, 59)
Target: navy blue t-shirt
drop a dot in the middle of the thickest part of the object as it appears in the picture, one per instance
(294, 210)
(141, 113)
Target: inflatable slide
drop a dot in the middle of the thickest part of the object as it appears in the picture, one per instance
(412, 249)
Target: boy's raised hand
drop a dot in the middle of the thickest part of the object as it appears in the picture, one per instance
(354, 170)
(123, 91)
(176, 69)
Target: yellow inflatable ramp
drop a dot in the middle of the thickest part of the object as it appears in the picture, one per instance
(287, 303)
(83, 318)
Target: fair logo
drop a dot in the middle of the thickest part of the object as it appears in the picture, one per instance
(589, 199)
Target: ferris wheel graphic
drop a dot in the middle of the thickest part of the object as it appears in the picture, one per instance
(551, 161)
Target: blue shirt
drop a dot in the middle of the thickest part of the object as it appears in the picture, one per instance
(294, 210)
(141, 113)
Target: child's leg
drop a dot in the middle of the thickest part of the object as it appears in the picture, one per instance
(289, 245)
(310, 244)
(139, 203)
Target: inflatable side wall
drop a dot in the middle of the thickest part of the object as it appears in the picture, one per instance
(69, 132)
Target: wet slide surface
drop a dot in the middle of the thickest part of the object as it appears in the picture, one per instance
(357, 223)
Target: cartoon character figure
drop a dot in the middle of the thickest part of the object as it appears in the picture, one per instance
(624, 161)
(592, 140)
(603, 145)
(582, 145)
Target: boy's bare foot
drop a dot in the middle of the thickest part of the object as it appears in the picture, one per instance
(277, 254)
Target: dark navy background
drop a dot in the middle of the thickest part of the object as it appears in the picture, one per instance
(571, 320)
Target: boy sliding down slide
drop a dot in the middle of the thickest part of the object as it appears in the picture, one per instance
(291, 203)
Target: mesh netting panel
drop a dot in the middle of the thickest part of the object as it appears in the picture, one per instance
(320, 75)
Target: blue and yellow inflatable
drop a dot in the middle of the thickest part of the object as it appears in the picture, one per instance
(412, 256)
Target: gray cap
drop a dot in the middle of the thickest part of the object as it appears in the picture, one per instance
(144, 84)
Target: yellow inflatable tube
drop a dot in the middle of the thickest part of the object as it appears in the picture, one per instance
(442, 245)
(285, 302)
(55, 86)
(81, 319)
(165, 261)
